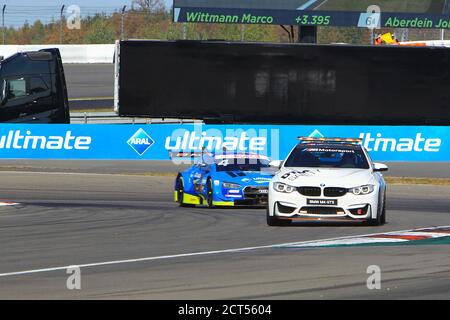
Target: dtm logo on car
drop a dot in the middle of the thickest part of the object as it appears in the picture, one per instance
(232, 141)
(140, 142)
(15, 139)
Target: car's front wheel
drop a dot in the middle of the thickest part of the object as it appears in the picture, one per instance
(381, 216)
(383, 211)
(274, 221)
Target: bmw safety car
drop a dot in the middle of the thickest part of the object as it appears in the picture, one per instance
(229, 179)
(327, 180)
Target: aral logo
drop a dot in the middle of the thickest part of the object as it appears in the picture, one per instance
(140, 142)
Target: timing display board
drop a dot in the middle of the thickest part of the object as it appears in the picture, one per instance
(428, 14)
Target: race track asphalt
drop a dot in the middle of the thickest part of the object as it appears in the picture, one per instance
(89, 80)
(90, 86)
(70, 219)
(84, 212)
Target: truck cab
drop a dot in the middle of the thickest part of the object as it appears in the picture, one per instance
(33, 88)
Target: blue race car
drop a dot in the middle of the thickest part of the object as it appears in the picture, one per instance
(237, 179)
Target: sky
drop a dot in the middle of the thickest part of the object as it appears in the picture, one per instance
(19, 11)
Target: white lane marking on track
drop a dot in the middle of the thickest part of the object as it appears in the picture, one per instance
(137, 174)
(71, 173)
(205, 253)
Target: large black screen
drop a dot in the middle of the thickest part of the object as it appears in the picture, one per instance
(285, 83)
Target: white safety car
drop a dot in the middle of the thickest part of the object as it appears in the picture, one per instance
(327, 180)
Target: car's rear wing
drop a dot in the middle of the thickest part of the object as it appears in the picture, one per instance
(185, 154)
(331, 140)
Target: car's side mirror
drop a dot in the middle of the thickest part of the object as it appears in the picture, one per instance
(380, 167)
(276, 164)
(4, 96)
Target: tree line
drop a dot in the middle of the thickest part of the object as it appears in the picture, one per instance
(150, 19)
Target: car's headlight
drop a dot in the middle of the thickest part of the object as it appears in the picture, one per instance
(282, 187)
(362, 190)
(229, 185)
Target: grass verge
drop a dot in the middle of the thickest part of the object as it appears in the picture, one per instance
(414, 181)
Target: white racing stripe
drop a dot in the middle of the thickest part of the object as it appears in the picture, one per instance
(205, 253)
(72, 173)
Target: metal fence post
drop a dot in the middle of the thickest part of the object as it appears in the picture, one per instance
(122, 23)
(3, 22)
(61, 24)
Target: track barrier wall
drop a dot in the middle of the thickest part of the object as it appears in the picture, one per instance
(154, 141)
(90, 53)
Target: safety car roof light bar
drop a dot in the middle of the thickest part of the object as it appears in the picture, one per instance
(331, 140)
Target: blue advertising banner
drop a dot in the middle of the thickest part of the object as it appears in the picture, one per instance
(155, 141)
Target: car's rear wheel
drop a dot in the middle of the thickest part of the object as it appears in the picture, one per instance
(180, 193)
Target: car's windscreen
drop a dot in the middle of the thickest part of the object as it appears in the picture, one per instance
(233, 164)
(327, 157)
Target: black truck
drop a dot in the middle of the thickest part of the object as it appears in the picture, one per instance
(33, 88)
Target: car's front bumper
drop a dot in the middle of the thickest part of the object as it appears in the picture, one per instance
(246, 196)
(349, 208)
